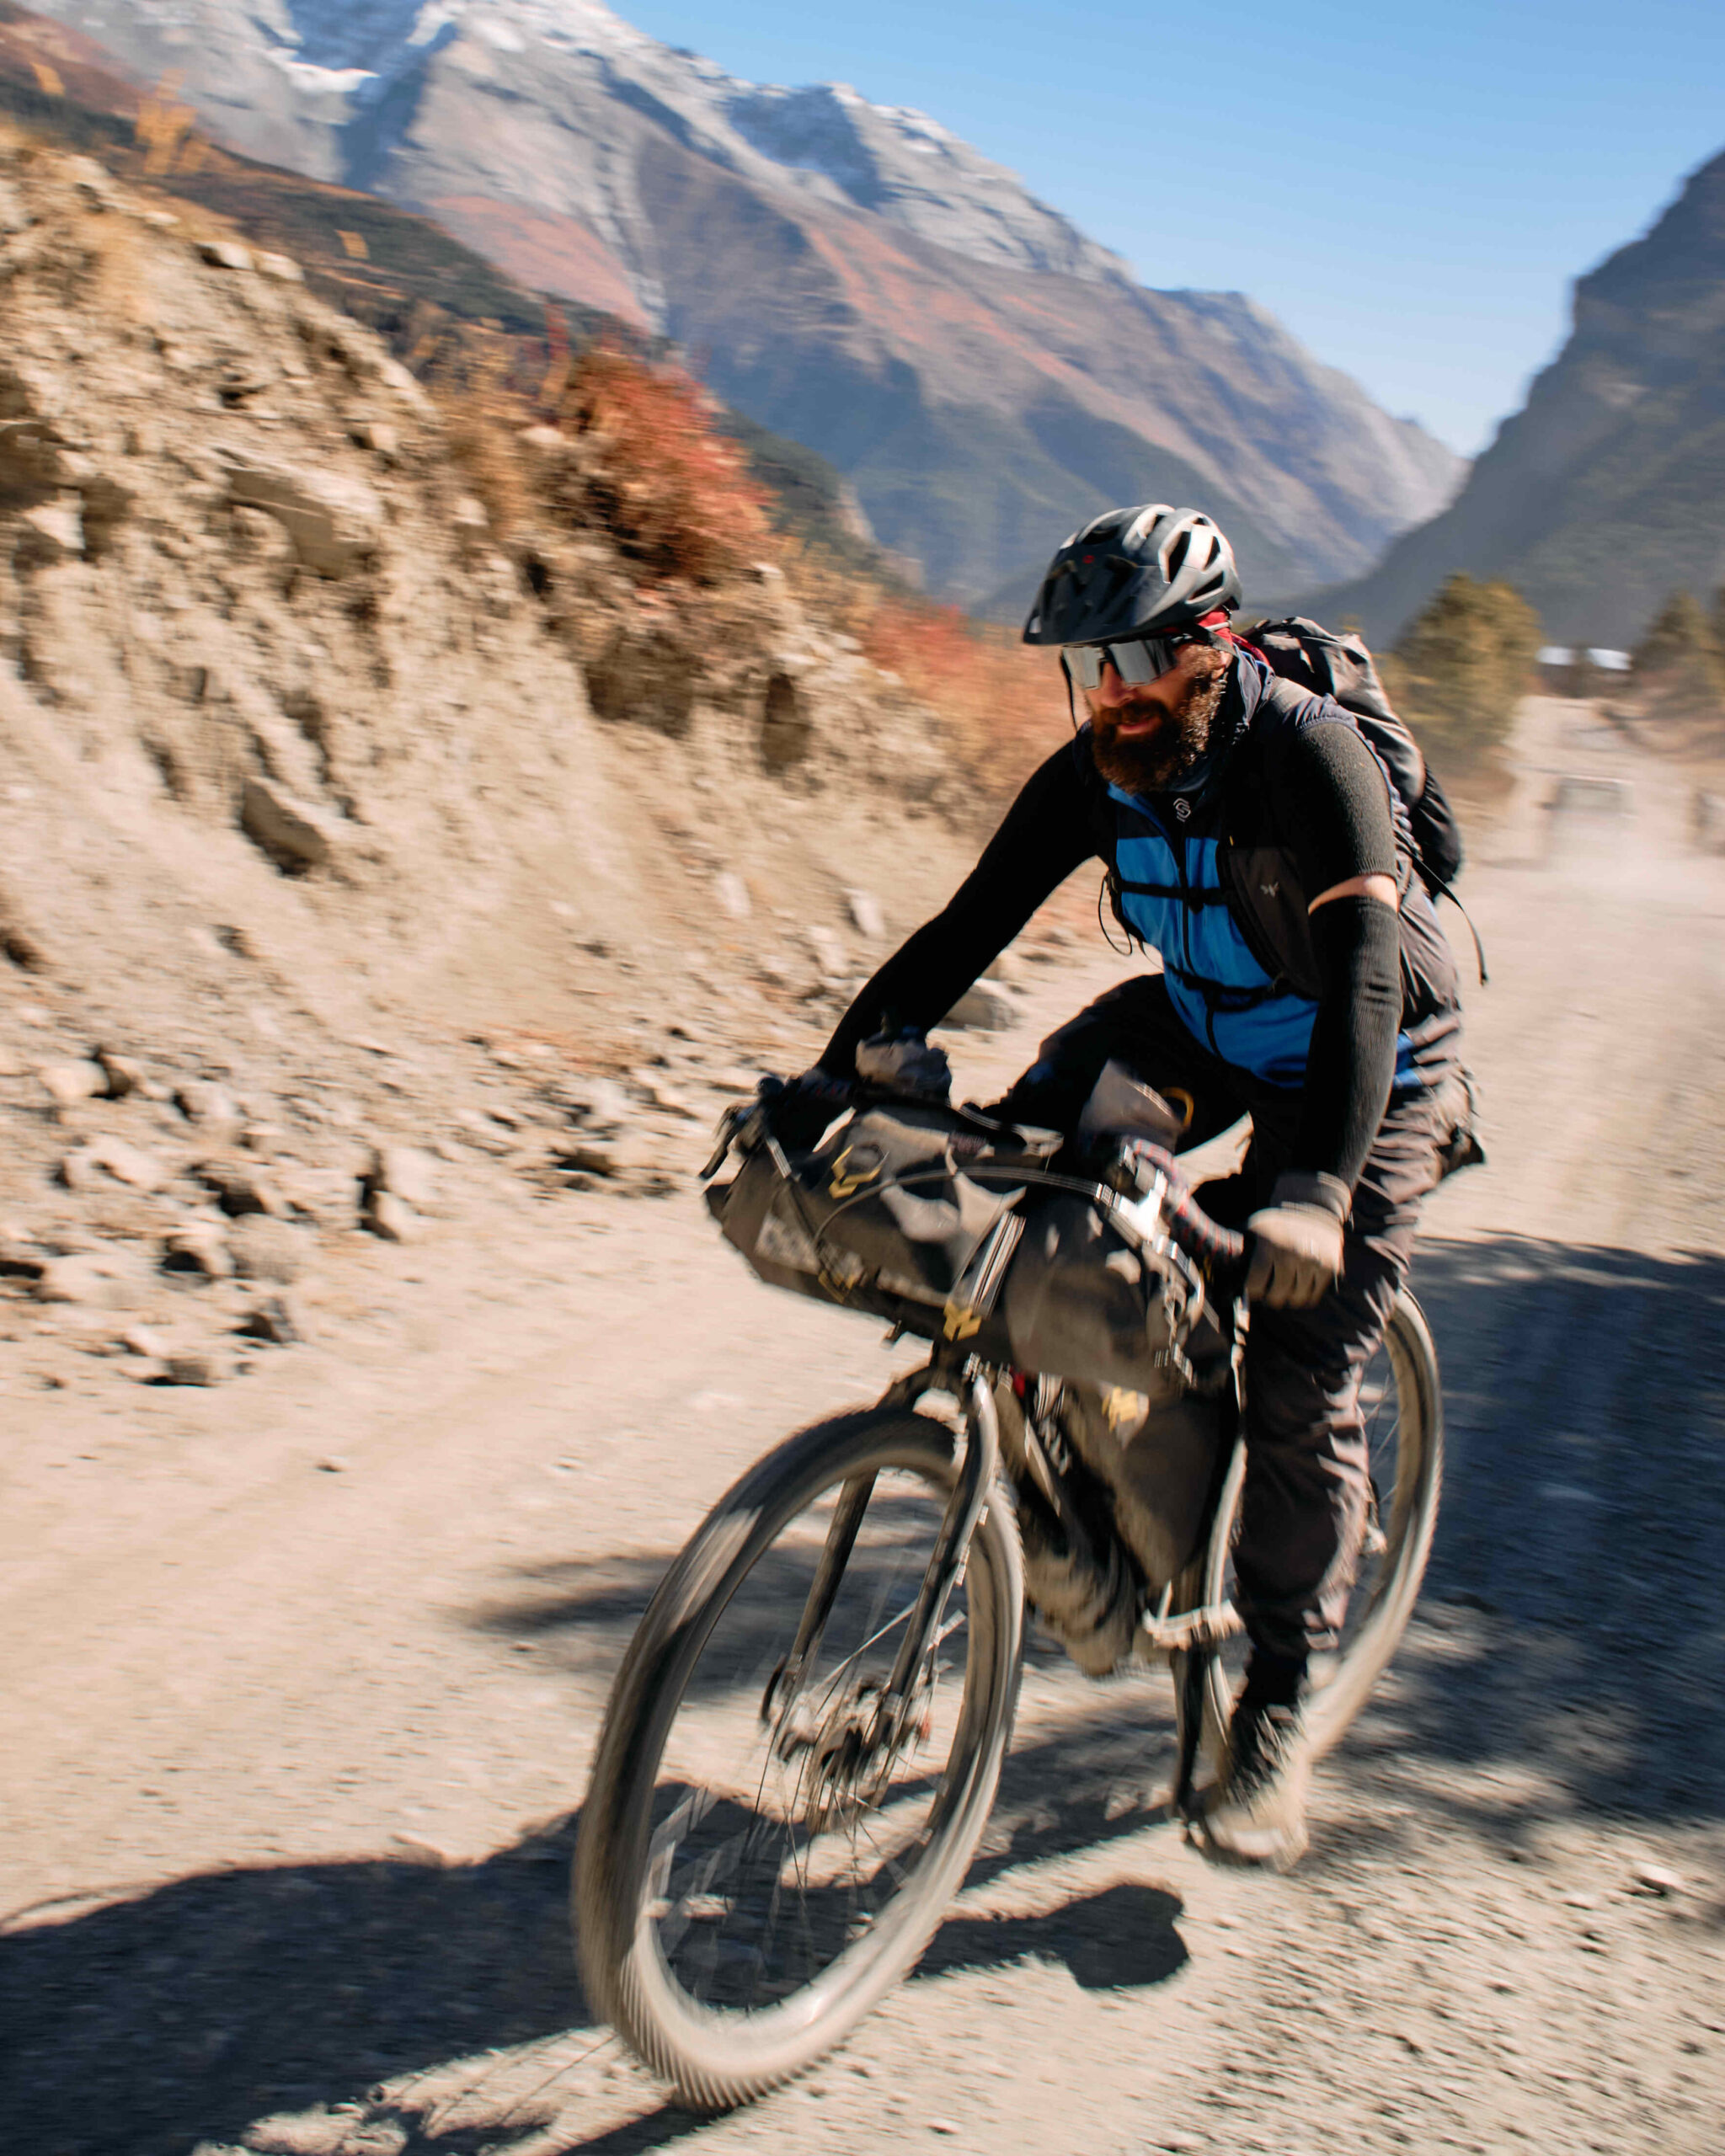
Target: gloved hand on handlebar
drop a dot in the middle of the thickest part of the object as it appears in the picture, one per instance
(1296, 1241)
(798, 1111)
(907, 1064)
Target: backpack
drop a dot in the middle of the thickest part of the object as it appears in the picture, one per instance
(1317, 659)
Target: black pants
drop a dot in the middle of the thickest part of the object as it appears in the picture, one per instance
(1303, 1507)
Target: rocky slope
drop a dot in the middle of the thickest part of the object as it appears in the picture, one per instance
(849, 274)
(1607, 491)
(354, 835)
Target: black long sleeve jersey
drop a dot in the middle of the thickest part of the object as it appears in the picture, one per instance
(1385, 1012)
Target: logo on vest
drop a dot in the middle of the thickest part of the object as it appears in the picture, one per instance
(1183, 809)
(1269, 890)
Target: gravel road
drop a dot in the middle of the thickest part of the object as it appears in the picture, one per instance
(305, 1673)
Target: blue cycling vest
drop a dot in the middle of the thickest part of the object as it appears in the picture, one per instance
(1170, 896)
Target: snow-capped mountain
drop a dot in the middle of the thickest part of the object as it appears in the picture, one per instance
(847, 273)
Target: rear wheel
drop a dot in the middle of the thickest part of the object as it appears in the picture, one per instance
(1402, 1406)
(756, 1862)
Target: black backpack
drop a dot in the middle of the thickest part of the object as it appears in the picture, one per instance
(1317, 659)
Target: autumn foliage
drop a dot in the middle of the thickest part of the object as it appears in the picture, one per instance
(676, 494)
(1006, 699)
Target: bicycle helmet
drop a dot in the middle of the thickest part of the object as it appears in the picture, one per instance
(1150, 571)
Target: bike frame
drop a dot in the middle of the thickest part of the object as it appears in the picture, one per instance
(1190, 1637)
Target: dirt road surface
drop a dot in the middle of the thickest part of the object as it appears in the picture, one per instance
(303, 1675)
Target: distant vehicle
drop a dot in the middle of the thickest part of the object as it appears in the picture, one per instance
(1592, 797)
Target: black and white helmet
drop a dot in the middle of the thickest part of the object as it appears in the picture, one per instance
(1150, 571)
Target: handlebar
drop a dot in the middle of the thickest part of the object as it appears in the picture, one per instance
(1151, 1171)
(1204, 1240)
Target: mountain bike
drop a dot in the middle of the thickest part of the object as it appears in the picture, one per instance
(804, 1740)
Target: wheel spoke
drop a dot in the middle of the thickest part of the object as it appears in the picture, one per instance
(753, 1896)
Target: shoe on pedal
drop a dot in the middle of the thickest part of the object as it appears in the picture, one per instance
(1256, 1813)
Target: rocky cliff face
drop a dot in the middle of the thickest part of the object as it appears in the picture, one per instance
(850, 275)
(329, 748)
(1607, 492)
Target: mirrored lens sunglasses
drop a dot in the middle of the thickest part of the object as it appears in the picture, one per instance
(1144, 658)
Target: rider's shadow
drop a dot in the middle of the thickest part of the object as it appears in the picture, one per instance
(1119, 1938)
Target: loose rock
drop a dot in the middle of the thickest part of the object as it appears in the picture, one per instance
(391, 1217)
(335, 521)
(624, 1155)
(264, 1248)
(273, 1318)
(732, 895)
(866, 915)
(110, 1279)
(211, 1106)
(405, 1172)
(292, 832)
(69, 1084)
(242, 1190)
(200, 1247)
(205, 1366)
(225, 254)
(130, 1165)
(123, 1075)
(982, 1010)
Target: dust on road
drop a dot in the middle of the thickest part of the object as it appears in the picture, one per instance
(304, 1675)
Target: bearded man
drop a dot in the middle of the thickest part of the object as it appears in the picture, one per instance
(1251, 837)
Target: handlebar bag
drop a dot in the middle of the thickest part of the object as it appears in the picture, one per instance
(906, 1211)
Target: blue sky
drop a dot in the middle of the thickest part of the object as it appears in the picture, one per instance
(1411, 190)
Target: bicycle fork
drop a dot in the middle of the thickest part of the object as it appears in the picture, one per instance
(964, 1507)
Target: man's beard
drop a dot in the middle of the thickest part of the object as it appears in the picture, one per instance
(1158, 762)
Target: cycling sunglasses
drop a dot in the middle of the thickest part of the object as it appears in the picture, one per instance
(1144, 658)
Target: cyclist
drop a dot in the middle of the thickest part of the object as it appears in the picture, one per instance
(1251, 837)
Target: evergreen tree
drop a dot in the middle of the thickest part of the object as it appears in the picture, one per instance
(1465, 663)
(1679, 665)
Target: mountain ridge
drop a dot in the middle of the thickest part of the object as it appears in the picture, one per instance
(1603, 493)
(847, 273)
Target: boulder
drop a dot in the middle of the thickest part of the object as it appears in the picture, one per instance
(130, 1165)
(123, 1075)
(599, 1104)
(625, 1154)
(295, 835)
(241, 1189)
(829, 952)
(983, 1009)
(49, 532)
(108, 1280)
(732, 894)
(327, 1196)
(273, 1318)
(406, 1172)
(392, 1217)
(199, 1366)
(225, 254)
(263, 1248)
(866, 915)
(67, 1083)
(210, 1106)
(199, 1246)
(334, 520)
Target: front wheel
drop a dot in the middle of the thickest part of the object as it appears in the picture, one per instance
(1401, 1405)
(757, 1863)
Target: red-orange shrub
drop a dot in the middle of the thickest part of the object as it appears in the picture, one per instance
(676, 495)
(1007, 701)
